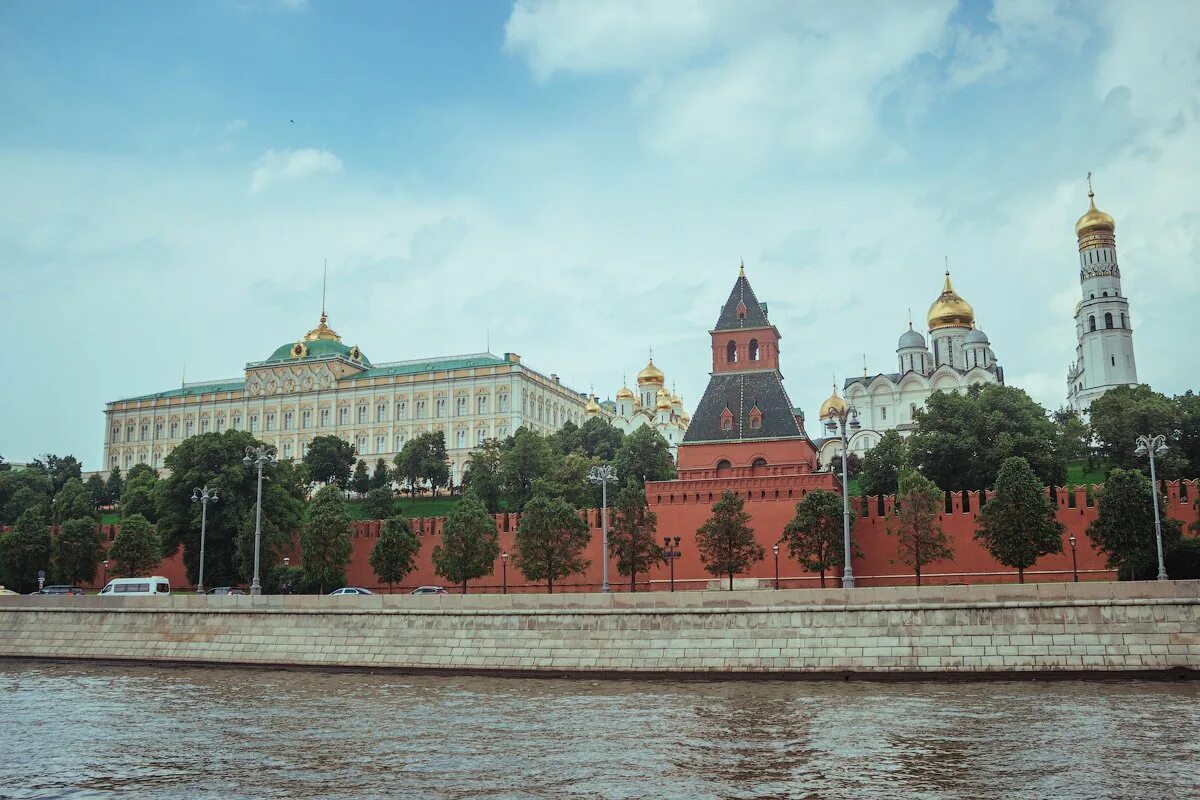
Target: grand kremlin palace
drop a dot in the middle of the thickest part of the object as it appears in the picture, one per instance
(319, 386)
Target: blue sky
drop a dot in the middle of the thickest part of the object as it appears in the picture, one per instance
(578, 181)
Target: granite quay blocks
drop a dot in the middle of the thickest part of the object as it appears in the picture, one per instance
(1096, 627)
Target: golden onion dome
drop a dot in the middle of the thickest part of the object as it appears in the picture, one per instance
(950, 310)
(676, 400)
(592, 406)
(663, 400)
(651, 374)
(322, 331)
(1094, 220)
(625, 393)
(833, 406)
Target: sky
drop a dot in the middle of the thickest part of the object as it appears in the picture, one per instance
(577, 182)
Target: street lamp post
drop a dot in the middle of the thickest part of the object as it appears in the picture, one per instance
(1154, 446)
(104, 579)
(603, 475)
(504, 572)
(204, 496)
(258, 456)
(775, 550)
(1074, 563)
(836, 416)
(670, 553)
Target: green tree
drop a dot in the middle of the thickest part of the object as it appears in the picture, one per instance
(1188, 440)
(470, 544)
(962, 439)
(330, 457)
(138, 495)
(95, 486)
(360, 481)
(567, 438)
(631, 535)
(920, 539)
(481, 475)
(883, 464)
(58, 470)
(1124, 527)
(853, 465)
(73, 501)
(78, 549)
(643, 456)
(1122, 414)
(1074, 438)
(380, 503)
(814, 535)
(527, 457)
(274, 541)
(381, 476)
(22, 490)
(137, 550)
(216, 460)
(325, 546)
(550, 541)
(408, 464)
(726, 542)
(395, 552)
(569, 480)
(26, 549)
(1017, 524)
(599, 439)
(114, 486)
(435, 466)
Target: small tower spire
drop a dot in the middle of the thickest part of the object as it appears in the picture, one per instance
(742, 268)
(864, 365)
(324, 283)
(910, 318)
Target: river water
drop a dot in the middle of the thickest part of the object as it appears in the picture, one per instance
(99, 731)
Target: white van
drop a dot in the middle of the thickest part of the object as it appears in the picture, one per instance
(135, 587)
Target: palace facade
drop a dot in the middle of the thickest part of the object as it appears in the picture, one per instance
(319, 386)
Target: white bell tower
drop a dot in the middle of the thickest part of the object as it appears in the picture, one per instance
(1103, 325)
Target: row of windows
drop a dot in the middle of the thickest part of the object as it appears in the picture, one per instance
(1108, 322)
(731, 351)
(1100, 257)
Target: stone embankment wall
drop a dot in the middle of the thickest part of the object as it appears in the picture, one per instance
(1086, 627)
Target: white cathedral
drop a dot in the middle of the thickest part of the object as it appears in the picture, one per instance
(1103, 326)
(958, 355)
(652, 405)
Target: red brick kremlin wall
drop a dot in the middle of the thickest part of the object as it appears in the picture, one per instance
(680, 515)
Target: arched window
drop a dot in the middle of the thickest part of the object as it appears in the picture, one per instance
(723, 468)
(731, 353)
(754, 349)
(1091, 324)
(1122, 320)
(758, 466)
(1108, 323)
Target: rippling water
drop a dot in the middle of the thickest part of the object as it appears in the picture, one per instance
(92, 731)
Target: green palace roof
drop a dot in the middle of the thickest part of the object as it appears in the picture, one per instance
(430, 365)
(191, 389)
(318, 348)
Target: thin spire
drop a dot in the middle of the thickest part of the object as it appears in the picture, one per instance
(1091, 193)
(910, 318)
(742, 268)
(864, 365)
(651, 352)
(488, 347)
(324, 283)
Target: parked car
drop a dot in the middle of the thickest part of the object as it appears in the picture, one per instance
(155, 584)
(75, 590)
(4, 591)
(350, 590)
(226, 590)
(429, 590)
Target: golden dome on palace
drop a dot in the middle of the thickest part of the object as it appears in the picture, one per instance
(832, 406)
(651, 374)
(625, 393)
(950, 310)
(592, 406)
(1095, 220)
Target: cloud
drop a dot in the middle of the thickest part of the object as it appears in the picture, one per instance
(278, 166)
(716, 81)
(235, 125)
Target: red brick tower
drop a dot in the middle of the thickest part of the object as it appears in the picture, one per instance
(745, 424)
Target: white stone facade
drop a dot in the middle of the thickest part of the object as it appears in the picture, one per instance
(652, 405)
(1103, 325)
(290, 398)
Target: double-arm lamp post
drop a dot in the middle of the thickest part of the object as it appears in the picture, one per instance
(204, 497)
(1154, 446)
(603, 475)
(258, 456)
(837, 416)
